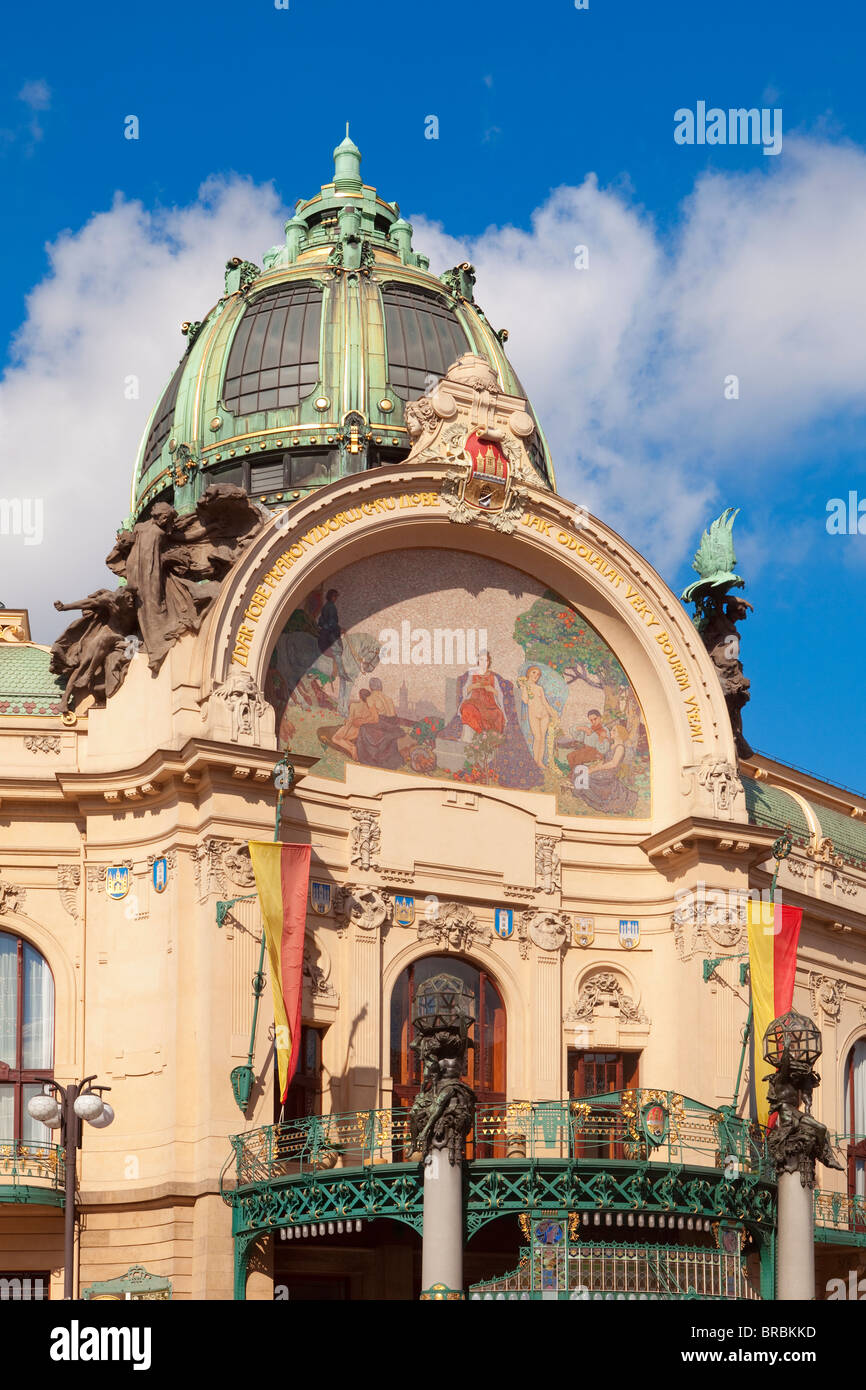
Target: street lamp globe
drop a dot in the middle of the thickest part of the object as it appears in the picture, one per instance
(796, 1037)
(89, 1106)
(105, 1119)
(46, 1110)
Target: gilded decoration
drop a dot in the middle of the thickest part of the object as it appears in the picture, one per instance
(449, 665)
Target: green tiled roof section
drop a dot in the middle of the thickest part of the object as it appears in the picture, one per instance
(26, 684)
(772, 807)
(848, 836)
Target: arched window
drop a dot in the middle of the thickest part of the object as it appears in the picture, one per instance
(855, 1117)
(274, 357)
(485, 1072)
(26, 1036)
(424, 338)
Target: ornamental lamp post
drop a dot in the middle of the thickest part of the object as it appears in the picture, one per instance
(63, 1108)
(795, 1140)
(441, 1117)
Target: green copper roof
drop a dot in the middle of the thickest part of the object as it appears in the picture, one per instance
(306, 363)
(26, 684)
(847, 835)
(774, 808)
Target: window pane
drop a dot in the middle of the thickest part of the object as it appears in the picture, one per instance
(38, 1039)
(424, 337)
(7, 1113)
(161, 427)
(279, 333)
(34, 1131)
(8, 999)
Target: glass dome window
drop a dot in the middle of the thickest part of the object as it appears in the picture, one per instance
(274, 358)
(161, 427)
(424, 338)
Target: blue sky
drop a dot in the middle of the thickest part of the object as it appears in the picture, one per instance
(704, 260)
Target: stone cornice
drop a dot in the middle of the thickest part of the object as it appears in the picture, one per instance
(693, 839)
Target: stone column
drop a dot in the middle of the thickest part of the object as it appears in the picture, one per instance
(442, 1247)
(795, 1245)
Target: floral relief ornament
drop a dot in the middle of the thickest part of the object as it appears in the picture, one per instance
(365, 907)
(827, 994)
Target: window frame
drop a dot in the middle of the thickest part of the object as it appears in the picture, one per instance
(17, 1076)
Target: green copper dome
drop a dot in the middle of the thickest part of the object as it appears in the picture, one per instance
(301, 372)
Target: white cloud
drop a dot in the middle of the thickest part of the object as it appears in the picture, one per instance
(111, 307)
(624, 361)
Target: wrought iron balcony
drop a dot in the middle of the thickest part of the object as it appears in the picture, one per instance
(34, 1173)
(611, 1129)
(622, 1271)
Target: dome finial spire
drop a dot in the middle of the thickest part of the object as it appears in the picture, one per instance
(347, 166)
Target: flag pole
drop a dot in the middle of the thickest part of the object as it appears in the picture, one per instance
(781, 850)
(242, 1077)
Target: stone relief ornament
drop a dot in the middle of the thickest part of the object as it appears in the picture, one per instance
(207, 862)
(317, 973)
(827, 994)
(550, 931)
(719, 779)
(467, 420)
(47, 743)
(365, 907)
(172, 566)
(602, 989)
(11, 897)
(68, 884)
(366, 835)
(239, 865)
(547, 867)
(453, 925)
(240, 706)
(706, 918)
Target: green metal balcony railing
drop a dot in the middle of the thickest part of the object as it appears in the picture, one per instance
(626, 1272)
(841, 1215)
(610, 1129)
(30, 1172)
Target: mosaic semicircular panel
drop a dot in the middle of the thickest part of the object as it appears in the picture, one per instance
(459, 668)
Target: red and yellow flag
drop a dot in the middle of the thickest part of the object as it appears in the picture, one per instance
(282, 879)
(774, 931)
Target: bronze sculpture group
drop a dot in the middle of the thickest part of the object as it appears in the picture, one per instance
(170, 567)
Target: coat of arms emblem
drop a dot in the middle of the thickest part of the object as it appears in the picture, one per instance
(160, 874)
(320, 897)
(583, 933)
(503, 922)
(404, 910)
(117, 880)
(629, 933)
(655, 1123)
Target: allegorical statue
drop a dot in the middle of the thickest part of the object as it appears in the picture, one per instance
(171, 567)
(443, 1112)
(796, 1141)
(717, 613)
(96, 649)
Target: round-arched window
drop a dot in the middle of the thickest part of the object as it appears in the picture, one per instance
(26, 1036)
(485, 1071)
(855, 1117)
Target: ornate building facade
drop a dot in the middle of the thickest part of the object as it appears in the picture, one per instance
(515, 765)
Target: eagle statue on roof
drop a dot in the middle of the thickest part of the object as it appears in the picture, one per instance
(717, 613)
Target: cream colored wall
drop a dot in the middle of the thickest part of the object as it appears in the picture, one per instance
(168, 998)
